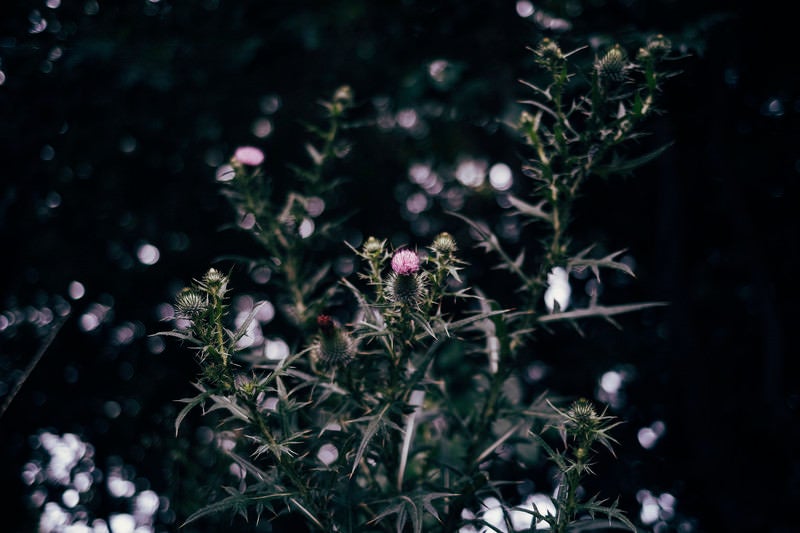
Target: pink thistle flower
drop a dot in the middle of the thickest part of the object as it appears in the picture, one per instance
(405, 262)
(249, 155)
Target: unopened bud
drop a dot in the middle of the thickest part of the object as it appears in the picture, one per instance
(548, 53)
(190, 302)
(334, 347)
(613, 65)
(444, 244)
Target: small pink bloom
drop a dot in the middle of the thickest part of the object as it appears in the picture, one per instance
(249, 155)
(405, 262)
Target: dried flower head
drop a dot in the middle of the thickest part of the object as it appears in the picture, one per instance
(248, 156)
(405, 262)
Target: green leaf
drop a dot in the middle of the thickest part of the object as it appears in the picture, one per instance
(534, 211)
(236, 337)
(191, 404)
(179, 335)
(236, 501)
(621, 165)
(602, 311)
(306, 512)
(579, 262)
(372, 428)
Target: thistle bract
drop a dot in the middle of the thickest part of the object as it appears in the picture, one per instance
(334, 347)
(406, 289)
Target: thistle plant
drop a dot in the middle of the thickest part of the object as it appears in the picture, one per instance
(400, 405)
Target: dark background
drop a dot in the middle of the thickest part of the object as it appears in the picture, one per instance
(114, 117)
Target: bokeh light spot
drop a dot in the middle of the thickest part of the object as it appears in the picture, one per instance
(500, 177)
(148, 254)
(76, 290)
(327, 454)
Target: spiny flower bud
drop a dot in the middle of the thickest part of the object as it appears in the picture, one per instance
(444, 244)
(334, 347)
(613, 65)
(583, 414)
(548, 53)
(245, 384)
(214, 278)
(408, 289)
(373, 247)
(215, 283)
(190, 302)
(658, 46)
(405, 262)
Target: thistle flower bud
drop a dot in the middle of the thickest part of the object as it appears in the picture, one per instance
(658, 46)
(214, 278)
(373, 247)
(582, 414)
(549, 54)
(334, 346)
(444, 244)
(405, 262)
(246, 385)
(613, 65)
(190, 302)
(408, 289)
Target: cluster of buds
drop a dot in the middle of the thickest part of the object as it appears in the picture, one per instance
(192, 302)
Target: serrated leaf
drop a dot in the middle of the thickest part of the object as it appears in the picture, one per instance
(234, 501)
(179, 335)
(525, 208)
(306, 512)
(242, 331)
(223, 402)
(248, 466)
(191, 404)
(372, 428)
(579, 262)
(620, 165)
(605, 312)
